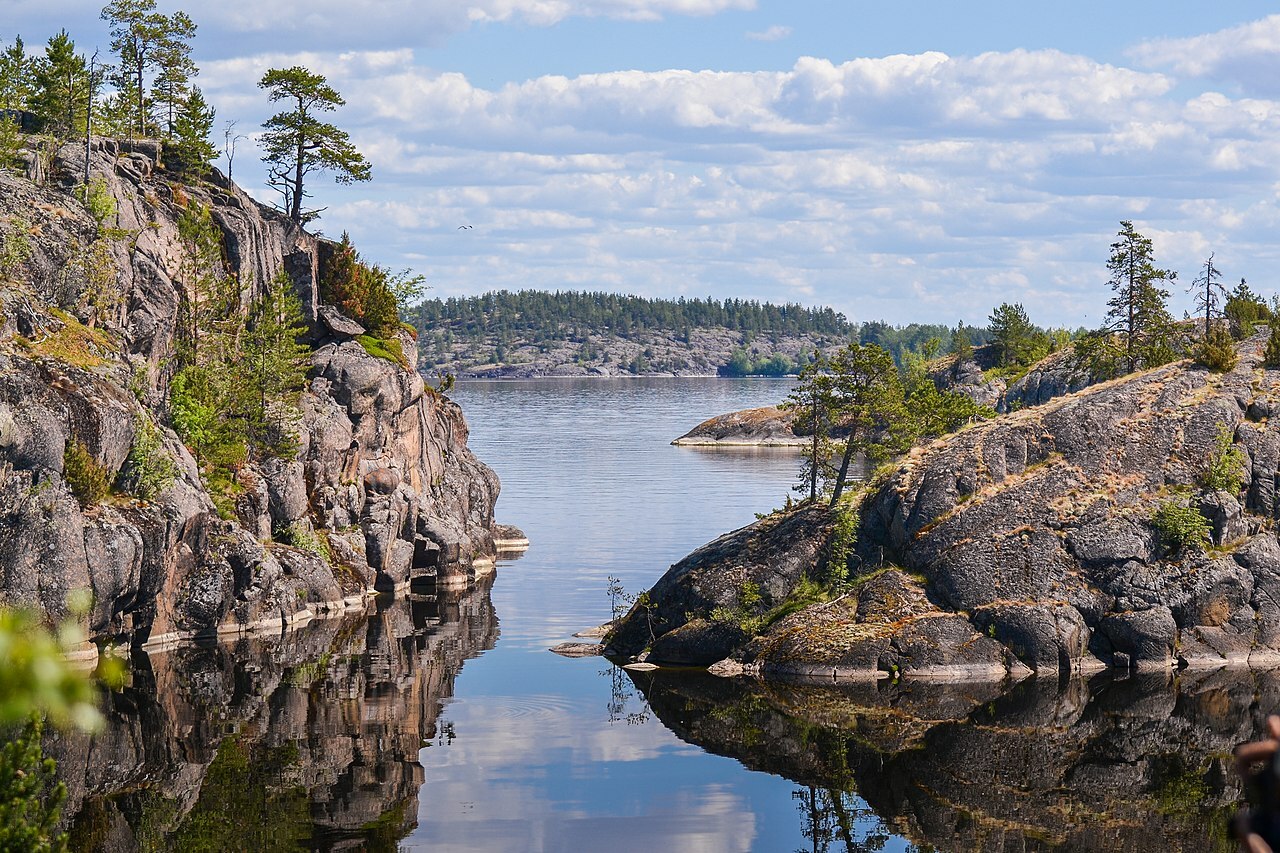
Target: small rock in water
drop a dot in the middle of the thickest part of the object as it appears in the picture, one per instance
(579, 650)
(727, 668)
(640, 667)
(596, 632)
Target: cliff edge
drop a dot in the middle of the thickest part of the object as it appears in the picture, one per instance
(382, 487)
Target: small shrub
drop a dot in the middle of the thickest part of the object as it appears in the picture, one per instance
(1271, 354)
(844, 535)
(31, 796)
(1217, 351)
(148, 470)
(1180, 526)
(301, 536)
(1224, 471)
(88, 480)
(98, 201)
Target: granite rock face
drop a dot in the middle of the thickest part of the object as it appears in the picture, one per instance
(88, 312)
(1024, 544)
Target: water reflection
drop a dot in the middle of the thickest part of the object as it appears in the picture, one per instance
(1139, 764)
(306, 741)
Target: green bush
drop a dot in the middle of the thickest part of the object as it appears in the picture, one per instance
(1271, 355)
(88, 480)
(300, 536)
(1180, 526)
(31, 798)
(1224, 471)
(1217, 350)
(148, 470)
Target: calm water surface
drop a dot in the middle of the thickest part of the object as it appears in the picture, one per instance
(441, 722)
(544, 757)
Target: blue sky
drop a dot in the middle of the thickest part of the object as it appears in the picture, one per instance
(921, 161)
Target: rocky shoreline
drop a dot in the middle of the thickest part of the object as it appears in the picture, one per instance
(382, 490)
(1026, 544)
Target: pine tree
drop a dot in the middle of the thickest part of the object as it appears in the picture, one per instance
(145, 40)
(174, 69)
(1012, 334)
(1209, 293)
(17, 83)
(811, 401)
(276, 364)
(61, 96)
(297, 143)
(191, 150)
(868, 403)
(1138, 309)
(1244, 310)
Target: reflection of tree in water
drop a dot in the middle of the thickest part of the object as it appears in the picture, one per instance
(829, 816)
(622, 693)
(1104, 763)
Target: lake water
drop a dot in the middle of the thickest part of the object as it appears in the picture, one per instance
(443, 723)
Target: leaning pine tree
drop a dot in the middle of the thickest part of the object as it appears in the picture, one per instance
(297, 142)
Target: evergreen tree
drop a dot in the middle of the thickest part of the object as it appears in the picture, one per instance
(275, 365)
(206, 297)
(191, 150)
(172, 88)
(1209, 292)
(297, 143)
(1271, 353)
(961, 348)
(17, 83)
(867, 402)
(1138, 309)
(1013, 335)
(145, 40)
(811, 401)
(1244, 310)
(61, 96)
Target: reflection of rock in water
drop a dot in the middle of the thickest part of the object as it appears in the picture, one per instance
(1141, 764)
(305, 740)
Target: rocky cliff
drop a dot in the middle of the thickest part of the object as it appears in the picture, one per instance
(89, 306)
(1027, 543)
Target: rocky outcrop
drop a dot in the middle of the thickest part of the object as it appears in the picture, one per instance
(768, 426)
(381, 490)
(1026, 543)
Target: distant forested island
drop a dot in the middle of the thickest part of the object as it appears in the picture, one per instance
(572, 333)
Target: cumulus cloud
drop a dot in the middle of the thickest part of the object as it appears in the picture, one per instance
(775, 33)
(920, 186)
(1247, 56)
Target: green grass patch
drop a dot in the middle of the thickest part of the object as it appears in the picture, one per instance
(388, 349)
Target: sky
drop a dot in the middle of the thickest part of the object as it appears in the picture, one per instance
(909, 162)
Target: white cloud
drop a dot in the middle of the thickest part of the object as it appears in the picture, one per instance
(775, 33)
(966, 181)
(1247, 56)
